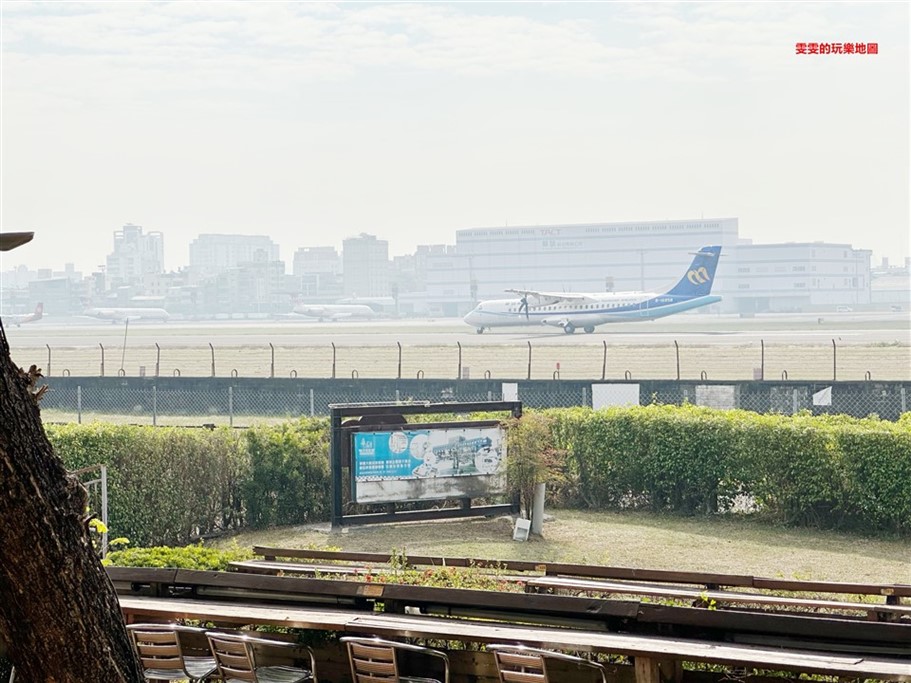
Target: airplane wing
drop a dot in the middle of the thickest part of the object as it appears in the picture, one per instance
(546, 298)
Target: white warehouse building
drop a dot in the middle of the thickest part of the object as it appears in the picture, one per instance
(640, 256)
(593, 257)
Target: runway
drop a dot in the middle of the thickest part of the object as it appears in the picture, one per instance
(873, 328)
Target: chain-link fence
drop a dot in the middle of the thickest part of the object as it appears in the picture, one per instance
(241, 402)
(836, 360)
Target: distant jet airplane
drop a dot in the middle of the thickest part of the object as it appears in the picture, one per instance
(17, 320)
(334, 311)
(116, 315)
(586, 311)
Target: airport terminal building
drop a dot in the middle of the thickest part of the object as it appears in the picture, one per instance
(639, 256)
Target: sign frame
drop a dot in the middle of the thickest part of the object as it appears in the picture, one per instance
(388, 418)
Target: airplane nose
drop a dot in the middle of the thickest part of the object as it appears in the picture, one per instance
(470, 318)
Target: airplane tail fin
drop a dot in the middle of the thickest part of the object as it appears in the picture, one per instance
(700, 275)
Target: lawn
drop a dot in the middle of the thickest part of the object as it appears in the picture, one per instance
(631, 539)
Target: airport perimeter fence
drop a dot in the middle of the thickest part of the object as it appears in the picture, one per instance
(242, 402)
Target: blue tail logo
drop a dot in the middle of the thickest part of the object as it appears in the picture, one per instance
(700, 275)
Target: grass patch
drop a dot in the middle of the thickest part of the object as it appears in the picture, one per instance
(631, 539)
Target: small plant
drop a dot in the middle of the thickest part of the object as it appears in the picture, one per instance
(532, 456)
(189, 557)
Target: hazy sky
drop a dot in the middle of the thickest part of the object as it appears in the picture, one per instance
(314, 122)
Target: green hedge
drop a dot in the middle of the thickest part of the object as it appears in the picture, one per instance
(829, 471)
(173, 485)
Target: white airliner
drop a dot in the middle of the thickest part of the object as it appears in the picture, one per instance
(586, 311)
(334, 311)
(18, 320)
(124, 314)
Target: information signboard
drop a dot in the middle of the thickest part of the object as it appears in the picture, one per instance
(428, 463)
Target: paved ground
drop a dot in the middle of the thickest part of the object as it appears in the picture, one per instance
(711, 330)
(722, 347)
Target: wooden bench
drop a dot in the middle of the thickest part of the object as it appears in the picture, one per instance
(893, 593)
(875, 611)
(301, 568)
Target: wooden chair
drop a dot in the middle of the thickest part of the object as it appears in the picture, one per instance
(235, 657)
(162, 656)
(520, 664)
(374, 661)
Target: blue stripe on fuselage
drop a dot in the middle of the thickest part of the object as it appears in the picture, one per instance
(654, 307)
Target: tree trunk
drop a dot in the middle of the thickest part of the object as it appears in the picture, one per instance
(59, 615)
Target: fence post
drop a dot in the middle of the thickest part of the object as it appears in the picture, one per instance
(459, 372)
(529, 360)
(230, 406)
(104, 510)
(79, 404)
(154, 405)
(584, 396)
(834, 364)
(399, 376)
(762, 359)
(157, 358)
(333, 360)
(312, 404)
(794, 403)
(272, 366)
(604, 362)
(212, 349)
(102, 358)
(398, 396)
(677, 353)
(48, 374)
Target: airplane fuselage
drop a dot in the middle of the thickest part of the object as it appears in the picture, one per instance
(584, 313)
(335, 311)
(123, 314)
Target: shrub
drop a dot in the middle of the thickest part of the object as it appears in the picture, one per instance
(289, 480)
(189, 557)
(166, 484)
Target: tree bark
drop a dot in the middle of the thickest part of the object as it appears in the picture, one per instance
(60, 619)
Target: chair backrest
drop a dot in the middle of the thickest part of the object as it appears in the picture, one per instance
(520, 664)
(233, 656)
(373, 660)
(158, 646)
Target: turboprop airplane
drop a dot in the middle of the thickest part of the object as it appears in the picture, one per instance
(588, 310)
(18, 320)
(116, 315)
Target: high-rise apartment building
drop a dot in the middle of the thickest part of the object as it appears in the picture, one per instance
(135, 255)
(319, 270)
(211, 254)
(365, 266)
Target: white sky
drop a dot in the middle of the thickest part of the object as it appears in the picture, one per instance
(314, 122)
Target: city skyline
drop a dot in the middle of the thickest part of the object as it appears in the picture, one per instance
(316, 122)
(288, 260)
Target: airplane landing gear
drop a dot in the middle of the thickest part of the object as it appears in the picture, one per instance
(589, 329)
(480, 330)
(569, 328)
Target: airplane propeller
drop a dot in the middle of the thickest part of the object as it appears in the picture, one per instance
(523, 303)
